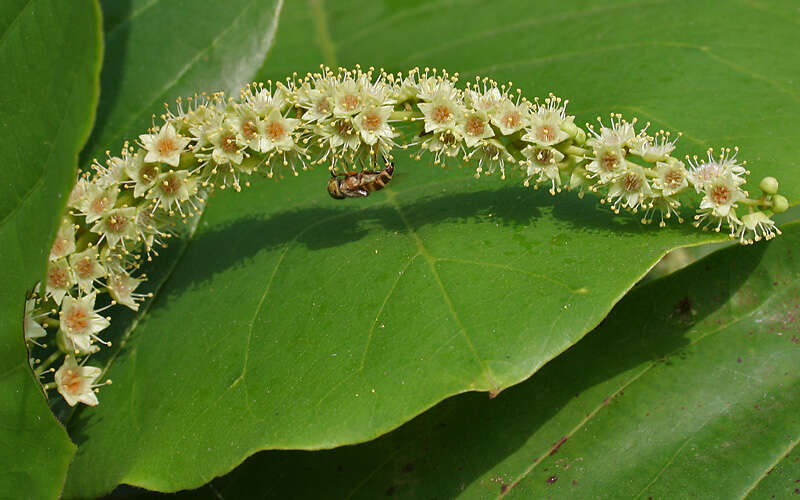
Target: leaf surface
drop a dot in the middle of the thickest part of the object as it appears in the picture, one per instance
(48, 96)
(688, 389)
(295, 321)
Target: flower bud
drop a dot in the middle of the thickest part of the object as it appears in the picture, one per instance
(779, 203)
(769, 185)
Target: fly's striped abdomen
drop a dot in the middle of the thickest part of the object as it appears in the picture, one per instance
(375, 181)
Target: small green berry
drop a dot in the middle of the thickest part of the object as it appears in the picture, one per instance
(779, 203)
(769, 185)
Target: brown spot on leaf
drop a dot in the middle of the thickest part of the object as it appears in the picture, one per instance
(557, 445)
(552, 479)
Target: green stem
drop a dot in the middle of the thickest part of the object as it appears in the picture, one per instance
(44, 365)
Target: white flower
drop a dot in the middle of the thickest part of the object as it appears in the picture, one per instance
(87, 268)
(408, 88)
(245, 122)
(631, 189)
(202, 122)
(442, 113)
(759, 225)
(348, 98)
(485, 101)
(655, 150)
(59, 280)
(142, 174)
(475, 128)
(608, 162)
(446, 142)
(79, 321)
(265, 102)
(32, 328)
(317, 101)
(74, 382)
(275, 133)
(621, 134)
(545, 130)
(121, 286)
(165, 146)
(510, 117)
(226, 147)
(543, 162)
(703, 172)
(173, 188)
(429, 87)
(78, 193)
(340, 135)
(373, 124)
(97, 200)
(721, 194)
(64, 244)
(671, 177)
(492, 155)
(117, 225)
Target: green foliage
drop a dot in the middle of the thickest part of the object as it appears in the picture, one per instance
(48, 99)
(289, 320)
(684, 391)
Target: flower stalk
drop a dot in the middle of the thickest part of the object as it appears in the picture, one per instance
(132, 204)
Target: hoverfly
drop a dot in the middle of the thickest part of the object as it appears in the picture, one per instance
(359, 184)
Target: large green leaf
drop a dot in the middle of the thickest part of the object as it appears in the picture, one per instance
(294, 321)
(688, 389)
(50, 52)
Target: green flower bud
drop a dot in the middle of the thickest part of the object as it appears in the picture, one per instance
(569, 127)
(580, 137)
(779, 203)
(769, 185)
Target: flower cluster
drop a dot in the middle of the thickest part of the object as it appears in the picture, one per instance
(122, 212)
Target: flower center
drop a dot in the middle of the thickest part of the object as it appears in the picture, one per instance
(117, 223)
(632, 182)
(57, 277)
(344, 127)
(72, 382)
(372, 121)
(249, 129)
(166, 145)
(275, 131)
(171, 184)
(673, 178)
(76, 319)
(441, 114)
(350, 102)
(721, 195)
(59, 246)
(448, 138)
(83, 267)
(609, 162)
(544, 156)
(119, 286)
(512, 119)
(229, 143)
(546, 133)
(99, 204)
(324, 106)
(475, 126)
(147, 173)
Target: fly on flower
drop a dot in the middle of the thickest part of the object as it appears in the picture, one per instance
(359, 184)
